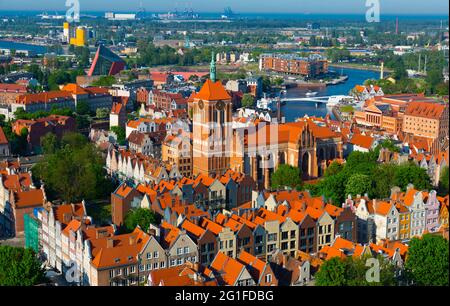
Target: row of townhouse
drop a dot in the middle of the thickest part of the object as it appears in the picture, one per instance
(263, 233)
(296, 221)
(405, 215)
(393, 251)
(91, 255)
(434, 164)
(244, 270)
(149, 125)
(139, 168)
(167, 197)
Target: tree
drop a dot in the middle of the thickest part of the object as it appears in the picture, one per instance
(73, 140)
(19, 267)
(352, 272)
(286, 176)
(82, 107)
(106, 81)
(427, 261)
(247, 100)
(49, 143)
(383, 179)
(333, 187)
(333, 169)
(412, 174)
(331, 273)
(443, 181)
(358, 184)
(102, 113)
(75, 171)
(142, 217)
(120, 133)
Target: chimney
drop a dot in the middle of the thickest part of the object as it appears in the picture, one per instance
(132, 240)
(196, 266)
(66, 217)
(110, 243)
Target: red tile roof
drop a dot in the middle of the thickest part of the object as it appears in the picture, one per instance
(3, 139)
(212, 92)
(362, 141)
(425, 109)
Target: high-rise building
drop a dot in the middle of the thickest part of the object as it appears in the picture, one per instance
(66, 32)
(80, 38)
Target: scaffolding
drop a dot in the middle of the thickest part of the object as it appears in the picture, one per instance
(31, 232)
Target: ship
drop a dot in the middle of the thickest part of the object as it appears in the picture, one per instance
(311, 93)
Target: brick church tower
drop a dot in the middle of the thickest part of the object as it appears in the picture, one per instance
(212, 134)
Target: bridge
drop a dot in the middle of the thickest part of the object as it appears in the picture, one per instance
(333, 99)
(307, 99)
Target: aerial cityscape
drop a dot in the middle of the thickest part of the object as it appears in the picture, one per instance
(194, 143)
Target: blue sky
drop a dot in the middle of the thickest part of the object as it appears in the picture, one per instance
(408, 7)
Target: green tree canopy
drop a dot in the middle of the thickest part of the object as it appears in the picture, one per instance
(74, 171)
(247, 100)
(358, 184)
(49, 143)
(331, 273)
(412, 174)
(120, 133)
(352, 272)
(286, 176)
(142, 217)
(19, 267)
(83, 107)
(334, 168)
(102, 113)
(443, 181)
(427, 261)
(369, 176)
(105, 81)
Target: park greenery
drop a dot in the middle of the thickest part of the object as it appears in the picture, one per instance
(72, 169)
(20, 267)
(141, 217)
(352, 272)
(427, 261)
(286, 176)
(106, 80)
(362, 174)
(247, 100)
(432, 83)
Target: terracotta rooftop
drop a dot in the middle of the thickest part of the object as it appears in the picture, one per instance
(425, 110)
(212, 92)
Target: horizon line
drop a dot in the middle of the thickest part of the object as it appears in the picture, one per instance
(235, 13)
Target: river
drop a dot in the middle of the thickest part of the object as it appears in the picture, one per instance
(293, 110)
(6, 44)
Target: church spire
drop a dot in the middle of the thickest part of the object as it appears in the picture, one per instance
(212, 68)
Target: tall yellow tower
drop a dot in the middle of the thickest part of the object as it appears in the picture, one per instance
(66, 32)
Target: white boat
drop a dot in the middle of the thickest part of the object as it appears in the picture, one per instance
(311, 93)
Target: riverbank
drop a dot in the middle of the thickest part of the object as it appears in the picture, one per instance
(359, 67)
